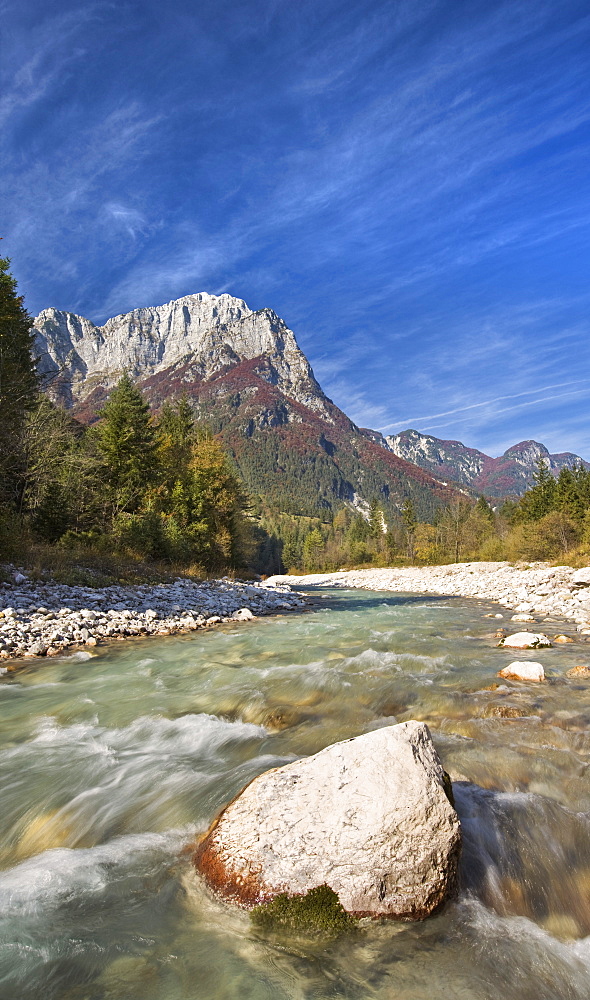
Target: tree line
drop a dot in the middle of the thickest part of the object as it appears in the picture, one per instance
(551, 521)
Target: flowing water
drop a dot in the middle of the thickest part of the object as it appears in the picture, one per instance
(110, 764)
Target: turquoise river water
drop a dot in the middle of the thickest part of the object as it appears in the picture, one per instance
(111, 764)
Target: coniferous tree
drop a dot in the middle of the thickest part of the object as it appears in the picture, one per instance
(540, 499)
(19, 384)
(483, 508)
(410, 521)
(126, 441)
(175, 436)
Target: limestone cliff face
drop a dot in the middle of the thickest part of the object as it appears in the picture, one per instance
(243, 375)
(212, 333)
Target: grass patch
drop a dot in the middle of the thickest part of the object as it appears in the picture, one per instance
(80, 566)
(317, 913)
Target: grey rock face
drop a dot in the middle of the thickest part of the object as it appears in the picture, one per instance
(368, 816)
(512, 473)
(211, 332)
(449, 458)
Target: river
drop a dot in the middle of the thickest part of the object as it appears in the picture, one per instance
(110, 765)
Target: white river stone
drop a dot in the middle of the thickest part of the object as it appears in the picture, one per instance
(368, 816)
(525, 640)
(523, 670)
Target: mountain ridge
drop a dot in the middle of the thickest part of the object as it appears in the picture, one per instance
(511, 474)
(244, 373)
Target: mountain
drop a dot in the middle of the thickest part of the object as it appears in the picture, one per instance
(509, 475)
(245, 375)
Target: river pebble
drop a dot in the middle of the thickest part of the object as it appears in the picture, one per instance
(44, 619)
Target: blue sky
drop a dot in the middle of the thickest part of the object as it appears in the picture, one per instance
(406, 183)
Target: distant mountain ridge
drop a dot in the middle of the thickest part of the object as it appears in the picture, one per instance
(244, 373)
(509, 475)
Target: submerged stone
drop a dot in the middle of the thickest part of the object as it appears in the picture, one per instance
(369, 817)
(581, 670)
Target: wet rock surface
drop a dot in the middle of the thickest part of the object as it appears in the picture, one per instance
(370, 817)
(45, 619)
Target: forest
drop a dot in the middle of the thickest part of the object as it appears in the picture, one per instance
(140, 489)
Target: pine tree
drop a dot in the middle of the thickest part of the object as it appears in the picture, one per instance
(175, 436)
(376, 519)
(312, 549)
(19, 384)
(483, 508)
(126, 442)
(410, 522)
(540, 499)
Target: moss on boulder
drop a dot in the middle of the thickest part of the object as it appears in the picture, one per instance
(318, 912)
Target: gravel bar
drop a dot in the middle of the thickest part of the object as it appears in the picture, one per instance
(534, 588)
(46, 619)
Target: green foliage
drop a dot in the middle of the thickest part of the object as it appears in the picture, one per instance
(548, 537)
(165, 492)
(126, 442)
(312, 547)
(463, 530)
(484, 510)
(317, 913)
(409, 522)
(175, 437)
(19, 385)
(62, 489)
(539, 500)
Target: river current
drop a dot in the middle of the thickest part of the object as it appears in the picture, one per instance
(111, 763)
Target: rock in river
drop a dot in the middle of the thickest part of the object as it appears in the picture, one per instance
(526, 640)
(523, 670)
(580, 671)
(369, 817)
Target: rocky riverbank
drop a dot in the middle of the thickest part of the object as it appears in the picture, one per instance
(535, 589)
(46, 619)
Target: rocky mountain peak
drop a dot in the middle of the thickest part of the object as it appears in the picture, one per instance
(509, 475)
(207, 333)
(528, 453)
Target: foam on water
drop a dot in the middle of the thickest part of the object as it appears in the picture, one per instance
(92, 782)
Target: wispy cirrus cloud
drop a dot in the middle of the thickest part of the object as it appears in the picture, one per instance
(406, 184)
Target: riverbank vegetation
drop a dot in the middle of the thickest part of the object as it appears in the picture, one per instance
(550, 522)
(131, 488)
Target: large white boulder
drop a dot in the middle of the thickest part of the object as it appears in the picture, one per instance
(523, 670)
(526, 640)
(582, 577)
(369, 816)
